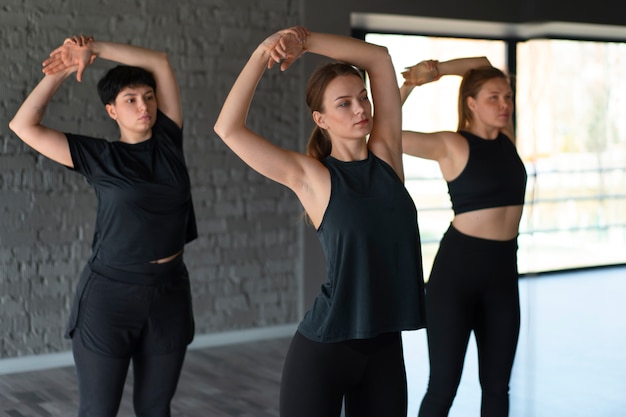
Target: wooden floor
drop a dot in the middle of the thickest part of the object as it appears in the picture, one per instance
(571, 362)
(228, 381)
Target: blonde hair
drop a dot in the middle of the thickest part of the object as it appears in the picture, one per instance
(473, 81)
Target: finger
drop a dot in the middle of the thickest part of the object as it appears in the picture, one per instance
(277, 56)
(286, 64)
(56, 51)
(279, 51)
(54, 68)
(51, 63)
(302, 31)
(84, 40)
(79, 72)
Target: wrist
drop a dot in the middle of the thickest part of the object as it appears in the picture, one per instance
(94, 46)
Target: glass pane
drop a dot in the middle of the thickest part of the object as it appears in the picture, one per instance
(571, 133)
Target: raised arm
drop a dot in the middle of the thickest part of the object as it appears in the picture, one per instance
(432, 70)
(286, 46)
(437, 146)
(77, 50)
(278, 164)
(75, 55)
(306, 176)
(27, 121)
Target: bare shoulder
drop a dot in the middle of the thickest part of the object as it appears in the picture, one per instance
(454, 140)
(454, 143)
(457, 154)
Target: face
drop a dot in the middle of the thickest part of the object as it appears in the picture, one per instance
(347, 109)
(493, 105)
(135, 111)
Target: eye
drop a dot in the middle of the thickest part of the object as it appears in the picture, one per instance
(342, 104)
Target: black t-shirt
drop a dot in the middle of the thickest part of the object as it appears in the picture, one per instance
(145, 211)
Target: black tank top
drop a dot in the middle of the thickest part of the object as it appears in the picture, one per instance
(494, 176)
(371, 241)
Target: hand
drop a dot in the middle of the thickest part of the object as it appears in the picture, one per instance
(75, 52)
(422, 73)
(286, 46)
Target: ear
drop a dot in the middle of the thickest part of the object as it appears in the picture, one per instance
(110, 108)
(471, 103)
(318, 118)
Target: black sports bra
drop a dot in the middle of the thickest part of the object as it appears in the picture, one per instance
(494, 176)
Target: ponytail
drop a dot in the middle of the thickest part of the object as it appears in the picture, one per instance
(319, 146)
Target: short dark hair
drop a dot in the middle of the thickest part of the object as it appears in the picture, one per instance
(120, 77)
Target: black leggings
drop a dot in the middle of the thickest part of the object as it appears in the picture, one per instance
(473, 287)
(368, 374)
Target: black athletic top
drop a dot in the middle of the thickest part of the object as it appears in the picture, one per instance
(371, 241)
(145, 211)
(494, 176)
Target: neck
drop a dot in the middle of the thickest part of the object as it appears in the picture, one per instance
(134, 137)
(484, 132)
(348, 151)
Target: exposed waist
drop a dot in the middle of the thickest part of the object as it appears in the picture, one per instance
(496, 223)
(147, 273)
(167, 259)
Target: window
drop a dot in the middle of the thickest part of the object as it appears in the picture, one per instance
(569, 98)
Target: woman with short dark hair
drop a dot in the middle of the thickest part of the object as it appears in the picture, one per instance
(133, 301)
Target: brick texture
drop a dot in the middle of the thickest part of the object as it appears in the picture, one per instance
(245, 266)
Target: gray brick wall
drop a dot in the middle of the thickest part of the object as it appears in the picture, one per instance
(246, 264)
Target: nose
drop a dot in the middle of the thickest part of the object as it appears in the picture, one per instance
(359, 107)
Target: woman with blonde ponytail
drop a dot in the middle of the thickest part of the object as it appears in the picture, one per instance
(473, 281)
(348, 346)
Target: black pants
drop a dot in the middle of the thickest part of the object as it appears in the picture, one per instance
(141, 314)
(473, 287)
(368, 374)
(101, 381)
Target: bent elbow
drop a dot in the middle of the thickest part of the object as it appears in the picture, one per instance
(225, 131)
(220, 129)
(15, 127)
(384, 52)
